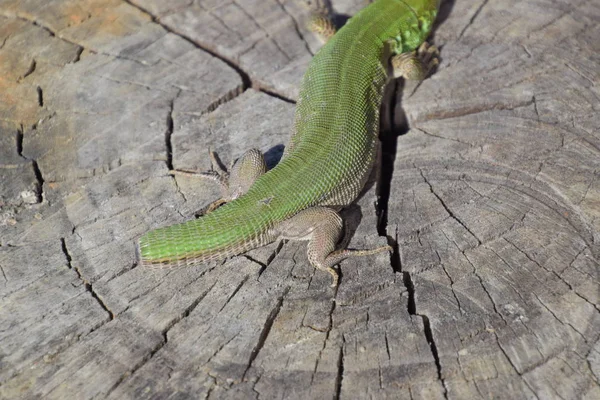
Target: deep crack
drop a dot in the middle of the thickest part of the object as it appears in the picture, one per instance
(427, 331)
(412, 310)
(389, 147)
(434, 351)
(340, 372)
(410, 288)
(40, 96)
(39, 184)
(78, 55)
(168, 135)
(19, 141)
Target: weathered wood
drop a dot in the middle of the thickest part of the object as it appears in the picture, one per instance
(492, 199)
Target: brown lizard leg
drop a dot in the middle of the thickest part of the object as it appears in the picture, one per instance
(320, 23)
(415, 65)
(322, 227)
(244, 172)
(235, 182)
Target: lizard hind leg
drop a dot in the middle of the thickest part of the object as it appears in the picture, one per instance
(322, 227)
(234, 182)
(415, 65)
(244, 172)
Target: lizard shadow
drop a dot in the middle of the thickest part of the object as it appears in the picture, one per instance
(444, 12)
(273, 156)
(393, 124)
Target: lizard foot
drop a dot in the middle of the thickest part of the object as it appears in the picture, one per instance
(322, 227)
(322, 26)
(234, 181)
(416, 65)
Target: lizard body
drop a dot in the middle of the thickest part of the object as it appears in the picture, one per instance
(328, 159)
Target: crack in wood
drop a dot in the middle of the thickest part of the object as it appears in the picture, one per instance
(247, 82)
(235, 291)
(221, 347)
(388, 156)
(470, 110)
(262, 338)
(556, 274)
(133, 83)
(558, 319)
(327, 333)
(40, 96)
(19, 141)
(230, 95)
(450, 212)
(423, 131)
(270, 258)
(135, 368)
(489, 295)
(387, 346)
(460, 309)
(186, 312)
(472, 19)
(276, 95)
(80, 50)
(3, 274)
(169, 134)
(5, 40)
(296, 26)
(412, 310)
(37, 23)
(434, 351)
(244, 76)
(39, 184)
(514, 366)
(340, 371)
(30, 71)
(262, 265)
(88, 286)
(389, 146)
(164, 340)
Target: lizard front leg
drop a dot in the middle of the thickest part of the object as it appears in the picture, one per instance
(321, 24)
(235, 182)
(415, 65)
(322, 227)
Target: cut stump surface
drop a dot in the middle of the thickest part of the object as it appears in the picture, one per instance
(490, 197)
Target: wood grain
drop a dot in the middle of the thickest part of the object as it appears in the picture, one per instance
(489, 192)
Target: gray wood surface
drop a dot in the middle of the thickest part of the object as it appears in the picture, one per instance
(491, 198)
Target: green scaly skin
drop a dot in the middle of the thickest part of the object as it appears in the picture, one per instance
(332, 149)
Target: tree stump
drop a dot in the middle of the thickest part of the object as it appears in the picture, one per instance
(488, 191)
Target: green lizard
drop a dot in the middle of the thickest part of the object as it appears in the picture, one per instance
(329, 157)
